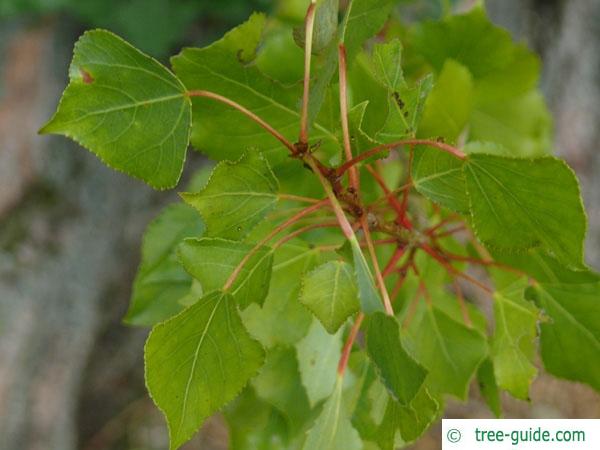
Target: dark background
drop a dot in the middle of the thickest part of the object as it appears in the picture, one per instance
(71, 376)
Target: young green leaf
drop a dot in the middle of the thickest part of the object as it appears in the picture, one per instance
(161, 282)
(237, 197)
(197, 362)
(400, 373)
(405, 105)
(212, 261)
(513, 343)
(449, 105)
(448, 349)
(570, 339)
(518, 204)
(318, 356)
(126, 108)
(332, 429)
(329, 291)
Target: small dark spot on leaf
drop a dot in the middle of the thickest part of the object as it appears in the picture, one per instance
(406, 114)
(439, 139)
(398, 100)
(86, 76)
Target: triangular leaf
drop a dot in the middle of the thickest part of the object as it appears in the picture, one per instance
(126, 108)
(237, 197)
(197, 362)
(329, 291)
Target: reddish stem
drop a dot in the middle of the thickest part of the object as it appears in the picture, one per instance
(404, 204)
(349, 343)
(380, 148)
(248, 113)
(463, 305)
(440, 259)
(353, 172)
(298, 198)
(401, 219)
(302, 230)
(389, 268)
(449, 232)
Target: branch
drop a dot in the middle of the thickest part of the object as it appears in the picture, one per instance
(381, 148)
(248, 113)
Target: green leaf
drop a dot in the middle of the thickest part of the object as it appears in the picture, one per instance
(329, 291)
(400, 373)
(271, 323)
(256, 425)
(518, 204)
(212, 261)
(237, 196)
(332, 429)
(367, 293)
(279, 384)
(486, 50)
(161, 282)
(570, 339)
(488, 387)
(126, 108)
(318, 356)
(513, 342)
(197, 362)
(224, 68)
(405, 105)
(448, 349)
(521, 124)
(449, 105)
(439, 176)
(384, 421)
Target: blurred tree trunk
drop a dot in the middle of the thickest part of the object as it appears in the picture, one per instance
(69, 241)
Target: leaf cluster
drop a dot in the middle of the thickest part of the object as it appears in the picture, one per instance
(370, 193)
